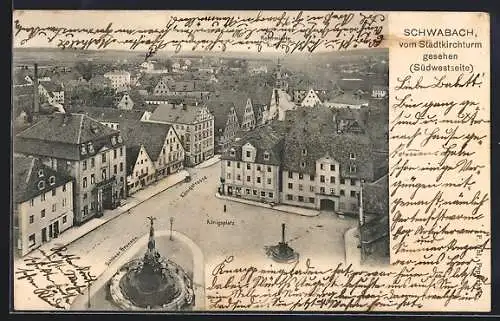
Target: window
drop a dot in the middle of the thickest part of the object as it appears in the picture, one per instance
(301, 198)
(322, 178)
(255, 192)
(52, 180)
(258, 179)
(115, 169)
(311, 199)
(304, 152)
(64, 219)
(353, 169)
(92, 179)
(332, 191)
(352, 156)
(341, 205)
(353, 182)
(84, 182)
(54, 192)
(42, 212)
(84, 165)
(121, 167)
(64, 202)
(32, 219)
(258, 168)
(84, 196)
(303, 164)
(247, 191)
(289, 197)
(114, 153)
(238, 165)
(300, 187)
(92, 162)
(290, 185)
(103, 157)
(232, 152)
(332, 168)
(290, 175)
(322, 190)
(271, 194)
(269, 169)
(104, 174)
(263, 194)
(41, 185)
(228, 175)
(266, 156)
(311, 177)
(42, 197)
(31, 239)
(64, 188)
(121, 151)
(332, 179)
(40, 173)
(32, 202)
(54, 207)
(342, 181)
(248, 153)
(248, 166)
(321, 166)
(342, 192)
(268, 181)
(248, 178)
(353, 193)
(311, 188)
(301, 176)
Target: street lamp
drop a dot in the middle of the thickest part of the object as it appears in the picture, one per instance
(88, 291)
(171, 223)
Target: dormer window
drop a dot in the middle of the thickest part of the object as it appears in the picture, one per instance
(249, 154)
(40, 173)
(266, 156)
(90, 147)
(52, 180)
(303, 165)
(232, 151)
(41, 185)
(353, 169)
(84, 150)
(352, 156)
(119, 139)
(113, 140)
(304, 152)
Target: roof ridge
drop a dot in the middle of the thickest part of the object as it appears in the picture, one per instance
(30, 170)
(80, 129)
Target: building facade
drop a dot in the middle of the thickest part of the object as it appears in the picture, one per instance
(141, 170)
(43, 207)
(120, 80)
(194, 125)
(79, 146)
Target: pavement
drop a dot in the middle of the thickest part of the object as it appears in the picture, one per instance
(352, 252)
(209, 162)
(76, 232)
(281, 208)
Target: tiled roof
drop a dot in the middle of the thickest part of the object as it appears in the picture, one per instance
(51, 86)
(26, 179)
(220, 109)
(376, 197)
(60, 135)
(313, 129)
(151, 135)
(264, 139)
(109, 114)
(176, 114)
(237, 98)
(132, 153)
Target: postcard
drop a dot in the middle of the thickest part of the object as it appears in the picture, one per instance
(332, 161)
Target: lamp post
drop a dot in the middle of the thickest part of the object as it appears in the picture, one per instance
(171, 223)
(88, 291)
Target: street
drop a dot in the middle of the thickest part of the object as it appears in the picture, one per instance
(249, 229)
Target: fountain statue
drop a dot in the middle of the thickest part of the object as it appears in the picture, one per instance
(152, 283)
(282, 252)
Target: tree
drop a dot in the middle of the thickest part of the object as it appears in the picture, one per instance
(86, 69)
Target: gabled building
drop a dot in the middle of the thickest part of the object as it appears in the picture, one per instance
(191, 88)
(242, 105)
(141, 170)
(125, 102)
(261, 98)
(250, 168)
(43, 203)
(161, 143)
(380, 92)
(226, 123)
(112, 117)
(120, 80)
(311, 99)
(194, 125)
(81, 147)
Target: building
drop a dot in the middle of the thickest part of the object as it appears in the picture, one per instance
(261, 98)
(380, 92)
(125, 102)
(194, 125)
(242, 105)
(311, 99)
(226, 123)
(141, 170)
(112, 117)
(120, 80)
(250, 168)
(160, 142)
(54, 93)
(167, 87)
(322, 168)
(81, 147)
(43, 203)
(349, 100)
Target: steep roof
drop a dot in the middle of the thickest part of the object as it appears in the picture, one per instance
(151, 135)
(109, 114)
(237, 98)
(171, 113)
(51, 86)
(264, 139)
(220, 109)
(376, 197)
(132, 153)
(26, 178)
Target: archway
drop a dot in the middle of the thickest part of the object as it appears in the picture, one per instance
(327, 205)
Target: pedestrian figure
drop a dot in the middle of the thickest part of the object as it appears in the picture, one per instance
(224, 208)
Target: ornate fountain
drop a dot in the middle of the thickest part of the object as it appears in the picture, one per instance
(152, 282)
(282, 252)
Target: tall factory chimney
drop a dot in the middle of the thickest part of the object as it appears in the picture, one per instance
(36, 103)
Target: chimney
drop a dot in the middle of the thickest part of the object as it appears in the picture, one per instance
(36, 103)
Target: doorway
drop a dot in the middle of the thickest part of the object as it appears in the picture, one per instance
(327, 205)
